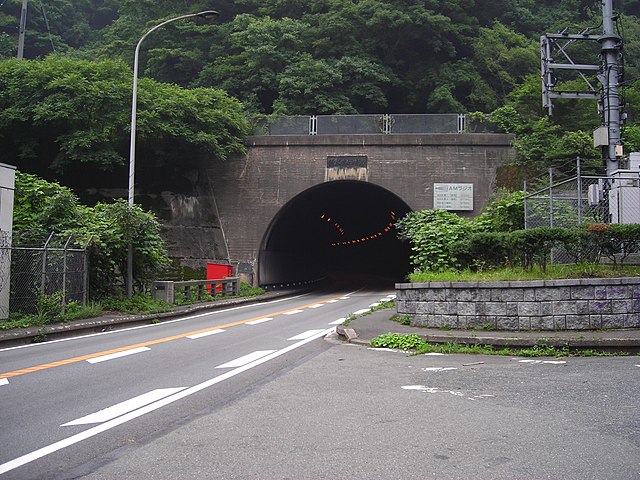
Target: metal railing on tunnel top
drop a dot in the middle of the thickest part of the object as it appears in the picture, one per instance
(385, 124)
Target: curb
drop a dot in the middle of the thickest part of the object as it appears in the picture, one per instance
(114, 321)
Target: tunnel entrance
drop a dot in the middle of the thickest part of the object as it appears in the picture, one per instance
(342, 230)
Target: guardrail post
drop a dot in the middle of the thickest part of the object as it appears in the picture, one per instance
(164, 291)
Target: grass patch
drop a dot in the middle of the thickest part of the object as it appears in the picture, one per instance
(415, 343)
(382, 306)
(401, 319)
(552, 272)
(49, 308)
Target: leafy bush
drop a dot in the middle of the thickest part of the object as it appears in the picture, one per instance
(431, 232)
(42, 207)
(396, 340)
(484, 250)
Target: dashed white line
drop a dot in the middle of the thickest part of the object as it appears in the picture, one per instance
(438, 369)
(206, 334)
(121, 408)
(332, 301)
(376, 304)
(317, 305)
(293, 312)
(339, 321)
(305, 335)
(112, 356)
(246, 359)
(260, 320)
(360, 312)
(5, 381)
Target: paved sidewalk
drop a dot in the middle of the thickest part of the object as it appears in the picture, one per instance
(364, 328)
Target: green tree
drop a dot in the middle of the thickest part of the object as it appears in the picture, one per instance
(43, 207)
(59, 113)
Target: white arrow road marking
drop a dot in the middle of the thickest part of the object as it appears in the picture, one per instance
(549, 362)
(103, 427)
(5, 381)
(260, 320)
(111, 356)
(293, 312)
(206, 334)
(246, 359)
(307, 334)
(124, 407)
(339, 321)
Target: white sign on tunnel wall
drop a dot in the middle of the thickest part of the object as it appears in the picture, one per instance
(453, 196)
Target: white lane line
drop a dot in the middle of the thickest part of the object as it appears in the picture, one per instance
(103, 427)
(344, 298)
(246, 359)
(317, 305)
(5, 381)
(339, 321)
(206, 334)
(151, 325)
(360, 312)
(392, 296)
(111, 356)
(121, 408)
(307, 334)
(438, 369)
(292, 312)
(332, 301)
(260, 320)
(377, 304)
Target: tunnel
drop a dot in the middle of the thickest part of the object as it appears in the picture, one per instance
(340, 231)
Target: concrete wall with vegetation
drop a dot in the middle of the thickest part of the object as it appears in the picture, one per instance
(578, 304)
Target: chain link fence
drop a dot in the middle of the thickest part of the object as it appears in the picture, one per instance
(53, 267)
(584, 199)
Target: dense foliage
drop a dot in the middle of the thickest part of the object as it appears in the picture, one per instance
(291, 57)
(43, 207)
(63, 114)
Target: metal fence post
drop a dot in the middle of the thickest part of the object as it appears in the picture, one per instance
(550, 197)
(525, 204)
(579, 173)
(43, 277)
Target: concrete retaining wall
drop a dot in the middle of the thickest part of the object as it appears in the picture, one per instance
(579, 304)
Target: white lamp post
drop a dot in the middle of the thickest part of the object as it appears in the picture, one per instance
(132, 147)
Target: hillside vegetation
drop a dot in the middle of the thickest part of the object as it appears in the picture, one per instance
(290, 57)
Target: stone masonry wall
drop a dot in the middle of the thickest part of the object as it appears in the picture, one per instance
(579, 304)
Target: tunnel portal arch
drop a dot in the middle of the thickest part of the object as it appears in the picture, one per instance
(339, 228)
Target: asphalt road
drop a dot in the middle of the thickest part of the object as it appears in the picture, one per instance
(309, 407)
(350, 412)
(66, 403)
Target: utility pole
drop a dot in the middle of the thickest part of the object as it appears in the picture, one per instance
(21, 31)
(608, 72)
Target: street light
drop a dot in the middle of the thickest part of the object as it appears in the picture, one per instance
(208, 14)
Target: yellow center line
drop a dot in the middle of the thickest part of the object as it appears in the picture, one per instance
(68, 361)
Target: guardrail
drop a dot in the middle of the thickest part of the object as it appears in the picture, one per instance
(190, 290)
(386, 124)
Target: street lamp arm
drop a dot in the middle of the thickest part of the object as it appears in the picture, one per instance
(132, 145)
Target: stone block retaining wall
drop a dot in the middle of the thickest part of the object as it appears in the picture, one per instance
(579, 304)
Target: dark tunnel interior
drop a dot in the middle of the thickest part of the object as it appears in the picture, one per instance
(342, 231)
